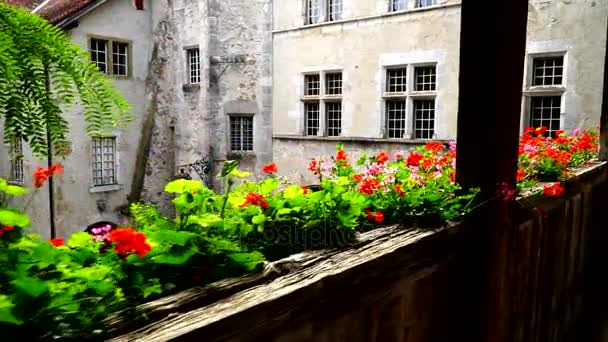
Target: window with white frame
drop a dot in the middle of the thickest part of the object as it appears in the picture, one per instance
(104, 161)
(323, 104)
(241, 133)
(409, 107)
(111, 56)
(545, 91)
(194, 66)
(425, 3)
(397, 5)
(16, 161)
(313, 11)
(334, 10)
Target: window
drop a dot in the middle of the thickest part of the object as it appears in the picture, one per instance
(241, 133)
(395, 119)
(99, 54)
(409, 107)
(424, 119)
(313, 11)
(548, 71)
(104, 161)
(334, 118)
(425, 78)
(425, 3)
(16, 156)
(119, 59)
(334, 10)
(194, 66)
(397, 5)
(110, 56)
(311, 113)
(312, 85)
(333, 85)
(545, 88)
(396, 80)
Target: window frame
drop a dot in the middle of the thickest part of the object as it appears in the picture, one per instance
(110, 55)
(188, 50)
(307, 11)
(392, 3)
(103, 169)
(419, 3)
(249, 116)
(17, 167)
(330, 14)
(322, 100)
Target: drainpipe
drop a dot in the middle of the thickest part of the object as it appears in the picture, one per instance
(50, 160)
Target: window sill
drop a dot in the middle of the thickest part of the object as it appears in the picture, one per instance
(191, 87)
(239, 155)
(105, 188)
(544, 90)
(357, 139)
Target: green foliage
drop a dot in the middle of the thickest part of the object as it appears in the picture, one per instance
(32, 49)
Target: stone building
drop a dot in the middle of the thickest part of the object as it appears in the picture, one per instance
(197, 75)
(383, 74)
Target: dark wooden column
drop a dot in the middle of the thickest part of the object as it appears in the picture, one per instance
(492, 52)
(604, 113)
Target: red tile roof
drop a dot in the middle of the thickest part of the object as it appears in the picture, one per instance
(55, 10)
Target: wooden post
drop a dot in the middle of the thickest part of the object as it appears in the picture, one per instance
(492, 54)
(604, 112)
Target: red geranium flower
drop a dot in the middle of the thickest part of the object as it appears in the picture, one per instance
(127, 241)
(399, 190)
(434, 147)
(554, 190)
(314, 166)
(305, 190)
(254, 199)
(270, 168)
(341, 155)
(57, 242)
(6, 229)
(358, 178)
(370, 216)
(414, 159)
(379, 217)
(369, 186)
(41, 175)
(521, 173)
(382, 157)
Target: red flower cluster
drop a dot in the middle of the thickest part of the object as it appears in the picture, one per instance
(369, 186)
(254, 199)
(382, 157)
(6, 229)
(127, 241)
(314, 166)
(378, 216)
(341, 155)
(399, 190)
(270, 168)
(414, 159)
(57, 242)
(305, 190)
(434, 147)
(41, 175)
(554, 190)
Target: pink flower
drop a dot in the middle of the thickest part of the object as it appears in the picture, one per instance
(398, 155)
(576, 131)
(452, 145)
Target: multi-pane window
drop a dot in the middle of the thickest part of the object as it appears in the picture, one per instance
(104, 161)
(396, 80)
(334, 10)
(395, 119)
(99, 54)
(16, 156)
(425, 3)
(111, 57)
(424, 119)
(548, 71)
(312, 118)
(241, 133)
(312, 85)
(333, 84)
(313, 11)
(334, 118)
(425, 78)
(546, 111)
(119, 58)
(397, 5)
(194, 66)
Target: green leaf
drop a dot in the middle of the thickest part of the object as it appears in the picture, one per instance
(32, 287)
(229, 166)
(184, 185)
(13, 218)
(6, 314)
(268, 186)
(12, 190)
(175, 258)
(81, 240)
(150, 290)
(250, 260)
(259, 219)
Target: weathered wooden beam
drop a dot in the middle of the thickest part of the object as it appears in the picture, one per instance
(604, 113)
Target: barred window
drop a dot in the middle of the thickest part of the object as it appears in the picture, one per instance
(312, 119)
(313, 11)
(194, 66)
(241, 133)
(104, 161)
(425, 3)
(119, 59)
(425, 78)
(99, 54)
(396, 80)
(334, 10)
(548, 71)
(312, 85)
(397, 5)
(334, 118)
(16, 160)
(546, 111)
(395, 119)
(333, 84)
(424, 119)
